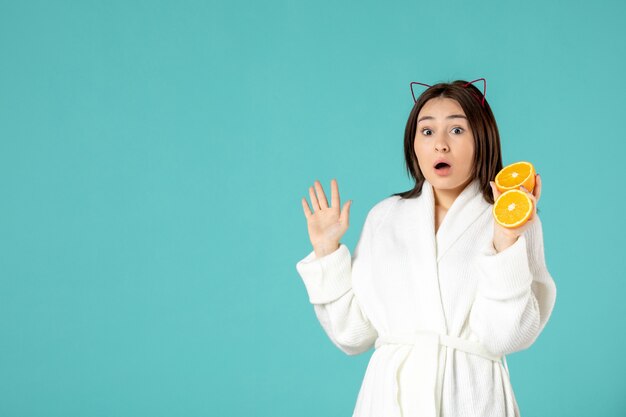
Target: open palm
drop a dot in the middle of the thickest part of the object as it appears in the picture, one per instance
(326, 224)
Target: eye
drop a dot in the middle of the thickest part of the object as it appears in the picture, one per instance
(457, 128)
(424, 130)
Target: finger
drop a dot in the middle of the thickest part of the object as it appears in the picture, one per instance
(334, 194)
(494, 190)
(305, 207)
(531, 195)
(314, 202)
(345, 212)
(538, 187)
(320, 195)
(534, 202)
(533, 214)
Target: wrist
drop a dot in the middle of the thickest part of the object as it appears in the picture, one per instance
(501, 242)
(325, 249)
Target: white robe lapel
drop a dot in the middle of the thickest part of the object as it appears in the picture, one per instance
(465, 210)
(427, 249)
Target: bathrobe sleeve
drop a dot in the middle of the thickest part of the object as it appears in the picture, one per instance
(328, 281)
(515, 294)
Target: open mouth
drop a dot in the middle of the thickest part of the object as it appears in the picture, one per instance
(443, 168)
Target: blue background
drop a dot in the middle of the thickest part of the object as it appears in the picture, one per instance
(153, 158)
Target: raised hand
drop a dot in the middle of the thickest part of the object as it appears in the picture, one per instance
(326, 224)
(504, 237)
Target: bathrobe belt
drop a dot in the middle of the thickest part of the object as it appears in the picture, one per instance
(420, 372)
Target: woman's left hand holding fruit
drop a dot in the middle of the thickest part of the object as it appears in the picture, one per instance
(504, 237)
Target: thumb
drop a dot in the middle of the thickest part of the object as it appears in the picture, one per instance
(345, 212)
(493, 188)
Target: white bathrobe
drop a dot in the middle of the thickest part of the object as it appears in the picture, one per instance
(441, 309)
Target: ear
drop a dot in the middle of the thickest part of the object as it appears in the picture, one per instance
(413, 93)
(482, 100)
(484, 85)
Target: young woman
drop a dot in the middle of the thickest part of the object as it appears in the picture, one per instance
(440, 289)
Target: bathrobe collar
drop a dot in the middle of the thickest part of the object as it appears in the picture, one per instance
(465, 210)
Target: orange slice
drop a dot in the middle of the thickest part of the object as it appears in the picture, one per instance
(511, 177)
(513, 208)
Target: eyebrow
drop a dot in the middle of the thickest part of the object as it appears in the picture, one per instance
(452, 116)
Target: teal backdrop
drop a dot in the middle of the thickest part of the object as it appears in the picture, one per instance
(153, 158)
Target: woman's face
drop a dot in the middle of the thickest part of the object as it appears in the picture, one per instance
(444, 132)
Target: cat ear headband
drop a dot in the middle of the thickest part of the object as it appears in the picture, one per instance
(482, 100)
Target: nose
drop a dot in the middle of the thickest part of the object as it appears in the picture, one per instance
(441, 145)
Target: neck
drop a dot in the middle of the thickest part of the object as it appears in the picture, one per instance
(445, 197)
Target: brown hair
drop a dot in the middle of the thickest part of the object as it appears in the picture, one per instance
(487, 150)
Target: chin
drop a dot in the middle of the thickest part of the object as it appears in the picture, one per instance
(447, 183)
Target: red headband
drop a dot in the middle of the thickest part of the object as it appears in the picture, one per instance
(482, 100)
